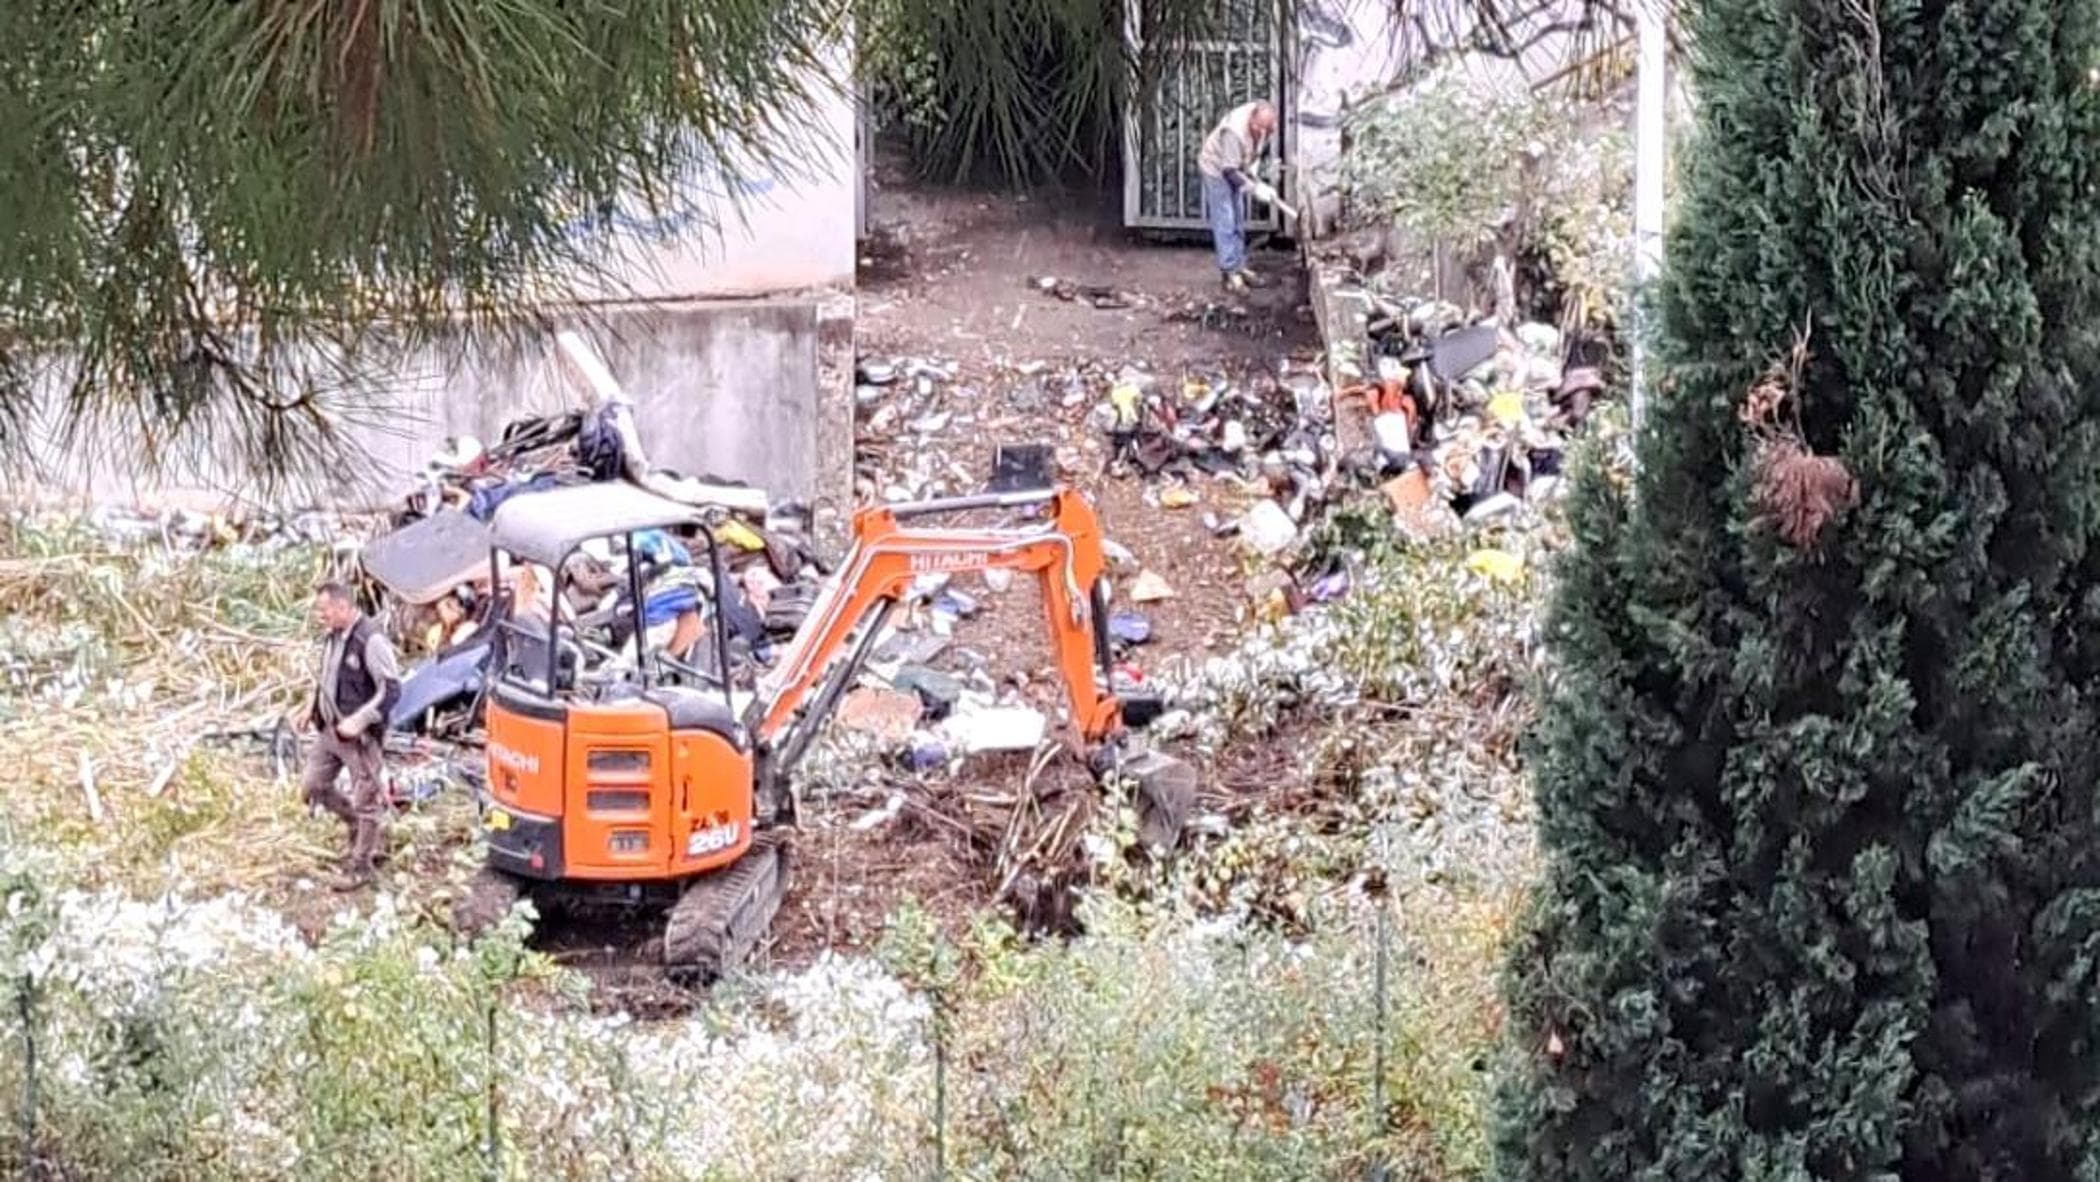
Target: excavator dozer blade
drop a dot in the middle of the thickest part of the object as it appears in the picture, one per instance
(719, 918)
(1166, 792)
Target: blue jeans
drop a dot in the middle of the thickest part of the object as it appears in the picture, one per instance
(1221, 207)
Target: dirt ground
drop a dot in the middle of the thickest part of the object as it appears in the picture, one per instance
(952, 278)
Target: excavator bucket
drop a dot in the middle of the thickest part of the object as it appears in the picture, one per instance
(1165, 790)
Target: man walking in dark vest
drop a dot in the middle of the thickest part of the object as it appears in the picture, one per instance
(356, 688)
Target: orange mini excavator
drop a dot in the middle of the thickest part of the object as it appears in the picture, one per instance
(640, 780)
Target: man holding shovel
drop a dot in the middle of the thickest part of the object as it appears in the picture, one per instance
(1227, 164)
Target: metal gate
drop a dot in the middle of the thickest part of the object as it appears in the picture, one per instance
(1240, 60)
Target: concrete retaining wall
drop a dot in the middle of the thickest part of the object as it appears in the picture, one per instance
(751, 390)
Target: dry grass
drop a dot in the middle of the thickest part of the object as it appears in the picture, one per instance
(143, 686)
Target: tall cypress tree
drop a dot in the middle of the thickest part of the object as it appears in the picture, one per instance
(1819, 761)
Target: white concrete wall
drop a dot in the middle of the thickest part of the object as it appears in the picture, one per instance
(734, 389)
(731, 234)
(1343, 51)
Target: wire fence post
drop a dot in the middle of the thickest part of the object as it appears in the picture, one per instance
(1375, 888)
(493, 1145)
(940, 1084)
(25, 1004)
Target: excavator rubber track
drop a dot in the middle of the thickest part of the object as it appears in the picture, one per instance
(720, 917)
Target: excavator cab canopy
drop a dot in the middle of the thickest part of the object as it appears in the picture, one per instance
(545, 527)
(555, 646)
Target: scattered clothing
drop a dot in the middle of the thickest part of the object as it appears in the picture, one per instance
(483, 501)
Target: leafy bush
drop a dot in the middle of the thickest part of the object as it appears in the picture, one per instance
(190, 1039)
(1163, 1045)
(1456, 163)
(1444, 160)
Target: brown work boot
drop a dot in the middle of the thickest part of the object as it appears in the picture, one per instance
(355, 879)
(358, 864)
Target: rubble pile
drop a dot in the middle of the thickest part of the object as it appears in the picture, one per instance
(1464, 422)
(914, 415)
(1469, 421)
(1272, 434)
(929, 702)
(432, 574)
(1022, 822)
(1268, 427)
(923, 433)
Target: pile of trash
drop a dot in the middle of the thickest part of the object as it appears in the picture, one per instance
(1277, 430)
(1273, 426)
(930, 701)
(435, 577)
(1469, 421)
(921, 698)
(901, 405)
(1266, 437)
(432, 570)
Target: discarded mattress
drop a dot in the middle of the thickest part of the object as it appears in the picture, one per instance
(422, 561)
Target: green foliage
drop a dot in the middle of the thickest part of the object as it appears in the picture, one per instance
(211, 1042)
(1443, 160)
(1456, 163)
(212, 202)
(1025, 90)
(1576, 225)
(1159, 1046)
(1820, 898)
(207, 1040)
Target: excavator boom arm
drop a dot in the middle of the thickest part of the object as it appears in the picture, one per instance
(1065, 554)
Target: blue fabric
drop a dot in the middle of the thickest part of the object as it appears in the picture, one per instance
(667, 604)
(482, 502)
(449, 678)
(658, 546)
(1221, 206)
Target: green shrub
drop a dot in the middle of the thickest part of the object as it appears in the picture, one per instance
(1815, 766)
